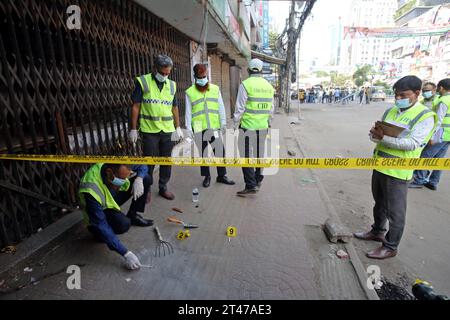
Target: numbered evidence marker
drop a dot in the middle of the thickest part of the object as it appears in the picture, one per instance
(183, 234)
(231, 232)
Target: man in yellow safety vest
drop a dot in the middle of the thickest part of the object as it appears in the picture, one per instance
(103, 189)
(205, 119)
(390, 186)
(253, 112)
(156, 108)
(438, 145)
(430, 98)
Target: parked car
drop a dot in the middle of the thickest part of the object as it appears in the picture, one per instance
(294, 94)
(377, 93)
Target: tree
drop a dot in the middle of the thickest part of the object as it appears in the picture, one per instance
(363, 74)
(381, 84)
(273, 36)
(339, 80)
(321, 74)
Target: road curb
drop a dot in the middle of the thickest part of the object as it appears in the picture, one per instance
(354, 258)
(40, 241)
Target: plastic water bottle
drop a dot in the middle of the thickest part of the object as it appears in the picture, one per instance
(195, 195)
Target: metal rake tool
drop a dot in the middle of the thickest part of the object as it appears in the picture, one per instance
(163, 245)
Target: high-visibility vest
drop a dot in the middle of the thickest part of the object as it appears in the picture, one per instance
(92, 183)
(446, 121)
(205, 108)
(432, 104)
(408, 119)
(156, 107)
(259, 103)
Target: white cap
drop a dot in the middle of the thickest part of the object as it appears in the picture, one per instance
(255, 65)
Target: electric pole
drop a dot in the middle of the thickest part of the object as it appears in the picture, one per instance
(287, 42)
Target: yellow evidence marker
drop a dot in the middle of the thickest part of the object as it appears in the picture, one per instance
(183, 234)
(231, 232)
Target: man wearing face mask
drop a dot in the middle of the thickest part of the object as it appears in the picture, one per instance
(205, 116)
(390, 186)
(430, 99)
(103, 189)
(155, 106)
(438, 146)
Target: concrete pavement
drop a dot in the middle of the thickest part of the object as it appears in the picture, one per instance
(342, 131)
(280, 251)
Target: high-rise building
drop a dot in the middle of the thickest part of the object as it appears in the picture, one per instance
(427, 56)
(410, 9)
(370, 14)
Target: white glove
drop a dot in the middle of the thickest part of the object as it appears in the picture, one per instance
(236, 126)
(138, 188)
(180, 134)
(223, 129)
(133, 136)
(131, 261)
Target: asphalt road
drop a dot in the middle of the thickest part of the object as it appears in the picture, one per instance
(330, 130)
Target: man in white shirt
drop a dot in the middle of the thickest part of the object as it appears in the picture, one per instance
(205, 118)
(390, 186)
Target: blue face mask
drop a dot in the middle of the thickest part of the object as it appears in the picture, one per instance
(118, 182)
(427, 94)
(201, 82)
(402, 103)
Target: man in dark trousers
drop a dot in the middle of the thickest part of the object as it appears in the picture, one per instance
(205, 120)
(390, 186)
(103, 189)
(155, 106)
(254, 108)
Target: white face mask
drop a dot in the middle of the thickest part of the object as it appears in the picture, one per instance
(202, 82)
(160, 77)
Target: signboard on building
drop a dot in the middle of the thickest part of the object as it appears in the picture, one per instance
(265, 39)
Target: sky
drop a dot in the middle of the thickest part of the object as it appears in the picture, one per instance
(315, 41)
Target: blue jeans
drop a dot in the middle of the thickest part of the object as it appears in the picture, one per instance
(437, 150)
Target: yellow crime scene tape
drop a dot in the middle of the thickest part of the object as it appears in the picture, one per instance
(287, 163)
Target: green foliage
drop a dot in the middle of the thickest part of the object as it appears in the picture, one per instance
(363, 74)
(381, 84)
(339, 80)
(321, 74)
(273, 36)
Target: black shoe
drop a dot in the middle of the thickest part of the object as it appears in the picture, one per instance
(207, 181)
(430, 186)
(225, 180)
(259, 184)
(247, 191)
(138, 220)
(415, 185)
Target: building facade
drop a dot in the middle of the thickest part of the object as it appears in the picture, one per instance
(65, 88)
(428, 57)
(370, 14)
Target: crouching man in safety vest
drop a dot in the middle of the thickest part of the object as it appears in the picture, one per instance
(390, 186)
(205, 119)
(103, 189)
(254, 109)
